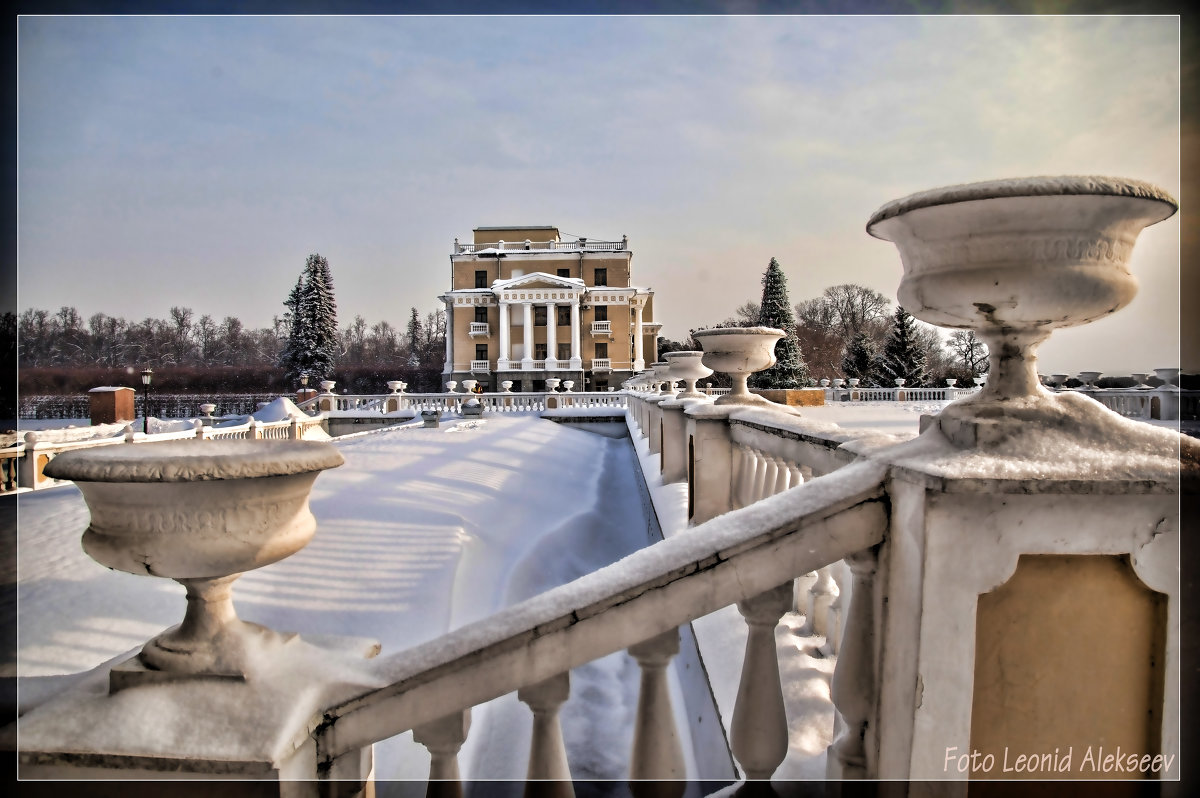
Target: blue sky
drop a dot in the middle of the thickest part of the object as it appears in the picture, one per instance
(196, 161)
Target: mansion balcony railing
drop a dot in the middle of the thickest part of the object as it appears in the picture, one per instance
(549, 364)
(602, 328)
(479, 366)
(479, 328)
(601, 364)
(544, 246)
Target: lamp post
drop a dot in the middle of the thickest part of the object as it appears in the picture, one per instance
(303, 380)
(147, 374)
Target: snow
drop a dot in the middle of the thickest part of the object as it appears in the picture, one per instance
(421, 532)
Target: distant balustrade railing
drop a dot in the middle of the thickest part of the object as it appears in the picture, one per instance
(30, 456)
(479, 328)
(479, 365)
(601, 328)
(555, 246)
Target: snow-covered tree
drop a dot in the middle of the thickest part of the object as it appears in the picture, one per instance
(903, 354)
(860, 359)
(775, 310)
(312, 321)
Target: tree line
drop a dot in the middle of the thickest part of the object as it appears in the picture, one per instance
(60, 352)
(850, 331)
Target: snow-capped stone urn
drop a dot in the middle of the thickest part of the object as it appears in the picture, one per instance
(552, 384)
(1089, 378)
(739, 352)
(1013, 260)
(506, 386)
(567, 385)
(689, 367)
(451, 385)
(469, 385)
(201, 513)
(395, 386)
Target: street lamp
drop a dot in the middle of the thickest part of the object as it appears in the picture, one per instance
(146, 376)
(304, 379)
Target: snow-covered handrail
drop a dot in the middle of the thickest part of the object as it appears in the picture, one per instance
(749, 557)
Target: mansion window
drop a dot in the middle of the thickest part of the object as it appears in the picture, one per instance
(564, 272)
(601, 277)
(564, 315)
(481, 279)
(481, 316)
(602, 313)
(539, 351)
(564, 351)
(539, 316)
(481, 352)
(601, 350)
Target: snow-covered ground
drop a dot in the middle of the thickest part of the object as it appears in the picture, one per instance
(422, 531)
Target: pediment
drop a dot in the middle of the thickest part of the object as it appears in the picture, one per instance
(539, 280)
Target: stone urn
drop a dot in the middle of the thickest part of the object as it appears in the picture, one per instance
(395, 386)
(1166, 375)
(1089, 378)
(469, 385)
(1013, 260)
(1057, 380)
(824, 383)
(567, 385)
(208, 408)
(901, 380)
(201, 513)
(1139, 380)
(854, 381)
(552, 383)
(838, 382)
(662, 378)
(689, 367)
(951, 382)
(506, 386)
(451, 385)
(739, 352)
(327, 386)
(979, 381)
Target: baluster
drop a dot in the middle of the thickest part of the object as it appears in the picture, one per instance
(760, 731)
(443, 738)
(760, 476)
(853, 687)
(770, 471)
(547, 754)
(737, 467)
(820, 595)
(796, 476)
(657, 754)
(749, 470)
(782, 476)
(835, 615)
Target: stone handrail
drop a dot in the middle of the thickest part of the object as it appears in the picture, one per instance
(748, 557)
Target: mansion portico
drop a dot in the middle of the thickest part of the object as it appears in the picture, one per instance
(526, 306)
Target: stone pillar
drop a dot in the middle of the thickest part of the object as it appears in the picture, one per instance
(639, 361)
(674, 444)
(443, 738)
(504, 332)
(527, 357)
(576, 358)
(551, 333)
(711, 450)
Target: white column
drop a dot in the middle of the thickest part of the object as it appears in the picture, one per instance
(547, 754)
(551, 332)
(503, 331)
(449, 367)
(639, 362)
(576, 360)
(527, 358)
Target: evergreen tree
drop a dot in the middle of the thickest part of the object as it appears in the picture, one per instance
(860, 359)
(415, 339)
(903, 355)
(311, 314)
(775, 310)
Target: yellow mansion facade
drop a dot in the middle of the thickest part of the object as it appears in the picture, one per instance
(526, 306)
